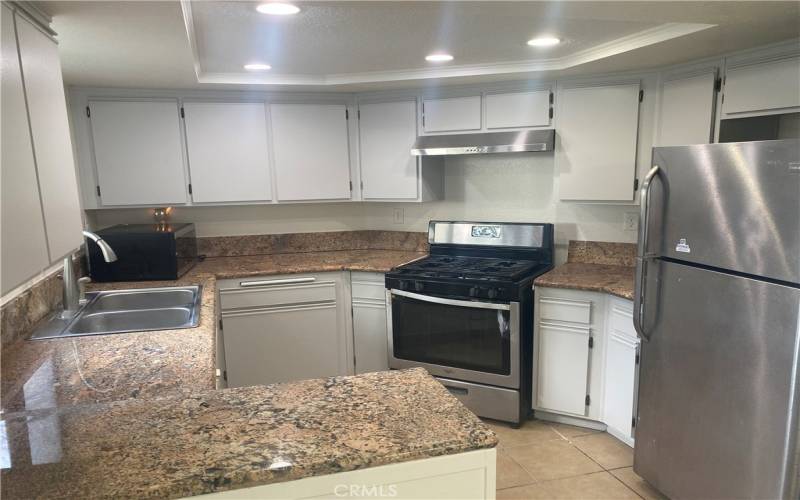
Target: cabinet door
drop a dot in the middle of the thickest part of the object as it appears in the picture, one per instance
(47, 109)
(370, 337)
(451, 114)
(387, 132)
(24, 247)
(227, 149)
(563, 368)
(518, 110)
(282, 344)
(138, 152)
(762, 87)
(310, 143)
(596, 148)
(620, 378)
(686, 112)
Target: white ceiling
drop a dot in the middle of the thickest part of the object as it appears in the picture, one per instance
(357, 45)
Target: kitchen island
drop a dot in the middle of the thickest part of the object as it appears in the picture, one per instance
(216, 441)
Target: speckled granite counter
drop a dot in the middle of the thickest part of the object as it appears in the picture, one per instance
(77, 370)
(596, 267)
(222, 440)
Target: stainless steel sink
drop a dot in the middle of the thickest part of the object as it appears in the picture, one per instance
(120, 311)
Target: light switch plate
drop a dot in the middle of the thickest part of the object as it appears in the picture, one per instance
(630, 221)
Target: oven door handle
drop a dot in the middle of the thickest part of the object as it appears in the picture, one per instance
(451, 302)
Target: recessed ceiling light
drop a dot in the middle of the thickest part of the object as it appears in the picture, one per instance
(544, 41)
(257, 67)
(439, 57)
(278, 9)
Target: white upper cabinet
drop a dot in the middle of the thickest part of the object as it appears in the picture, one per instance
(24, 248)
(451, 114)
(596, 142)
(761, 88)
(311, 151)
(227, 150)
(686, 110)
(138, 152)
(518, 109)
(387, 132)
(47, 110)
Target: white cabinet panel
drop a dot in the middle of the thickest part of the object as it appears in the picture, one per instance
(24, 248)
(387, 132)
(563, 365)
(227, 149)
(761, 87)
(686, 112)
(370, 337)
(517, 110)
(47, 110)
(311, 150)
(138, 152)
(596, 147)
(452, 114)
(620, 379)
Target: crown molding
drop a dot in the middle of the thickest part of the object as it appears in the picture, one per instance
(644, 38)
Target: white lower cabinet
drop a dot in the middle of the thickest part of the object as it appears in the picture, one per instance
(283, 328)
(585, 360)
(370, 338)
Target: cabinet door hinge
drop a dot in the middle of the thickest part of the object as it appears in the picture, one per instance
(362, 185)
(588, 400)
(551, 98)
(88, 112)
(591, 342)
(633, 421)
(98, 190)
(551, 113)
(423, 115)
(220, 324)
(636, 360)
(635, 185)
(358, 114)
(183, 113)
(351, 186)
(346, 114)
(190, 189)
(718, 84)
(641, 95)
(225, 375)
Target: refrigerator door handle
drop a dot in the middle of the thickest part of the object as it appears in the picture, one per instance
(643, 255)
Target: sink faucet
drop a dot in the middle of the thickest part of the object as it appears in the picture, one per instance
(71, 292)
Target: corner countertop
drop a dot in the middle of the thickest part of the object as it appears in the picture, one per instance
(612, 279)
(98, 369)
(222, 440)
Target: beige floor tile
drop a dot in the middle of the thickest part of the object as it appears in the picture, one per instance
(510, 473)
(605, 449)
(571, 431)
(601, 485)
(552, 460)
(637, 484)
(528, 492)
(532, 431)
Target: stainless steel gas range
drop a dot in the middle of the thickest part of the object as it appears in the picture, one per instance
(465, 312)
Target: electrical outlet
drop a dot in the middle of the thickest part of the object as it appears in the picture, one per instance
(397, 215)
(630, 221)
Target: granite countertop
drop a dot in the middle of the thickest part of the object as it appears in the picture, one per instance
(616, 280)
(595, 266)
(221, 440)
(95, 369)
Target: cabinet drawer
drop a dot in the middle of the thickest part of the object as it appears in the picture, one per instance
(621, 319)
(368, 290)
(273, 293)
(558, 309)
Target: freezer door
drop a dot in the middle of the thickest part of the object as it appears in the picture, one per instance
(718, 398)
(732, 206)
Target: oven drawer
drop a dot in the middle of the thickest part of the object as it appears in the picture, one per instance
(569, 310)
(489, 402)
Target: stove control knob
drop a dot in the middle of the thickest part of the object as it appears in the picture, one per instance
(493, 293)
(418, 286)
(474, 291)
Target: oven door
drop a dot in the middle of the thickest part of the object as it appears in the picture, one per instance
(461, 339)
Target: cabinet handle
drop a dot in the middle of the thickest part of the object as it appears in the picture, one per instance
(286, 281)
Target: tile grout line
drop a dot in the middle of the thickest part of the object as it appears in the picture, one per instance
(607, 471)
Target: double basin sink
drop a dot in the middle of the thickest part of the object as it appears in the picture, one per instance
(120, 311)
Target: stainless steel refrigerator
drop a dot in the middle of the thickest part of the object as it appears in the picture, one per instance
(717, 305)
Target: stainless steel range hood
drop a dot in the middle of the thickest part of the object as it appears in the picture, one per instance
(489, 142)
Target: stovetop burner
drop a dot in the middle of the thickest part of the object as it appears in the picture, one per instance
(473, 268)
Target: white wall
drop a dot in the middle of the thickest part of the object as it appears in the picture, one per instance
(503, 187)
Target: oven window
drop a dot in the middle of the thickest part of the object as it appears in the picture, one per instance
(454, 336)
